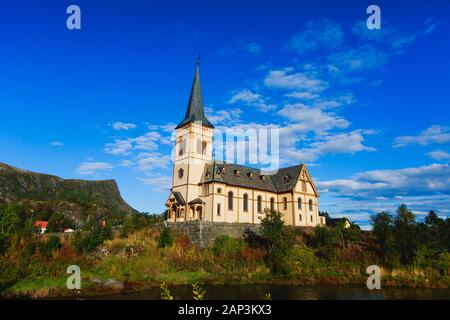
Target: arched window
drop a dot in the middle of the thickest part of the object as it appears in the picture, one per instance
(299, 203)
(272, 204)
(310, 205)
(230, 200)
(245, 202)
(284, 203)
(259, 204)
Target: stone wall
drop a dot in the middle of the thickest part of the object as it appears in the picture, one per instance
(203, 234)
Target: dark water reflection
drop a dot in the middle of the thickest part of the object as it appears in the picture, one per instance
(286, 292)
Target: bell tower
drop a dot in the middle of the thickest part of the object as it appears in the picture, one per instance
(193, 148)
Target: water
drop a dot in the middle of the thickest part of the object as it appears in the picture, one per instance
(288, 292)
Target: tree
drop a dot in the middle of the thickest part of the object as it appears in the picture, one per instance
(278, 242)
(405, 234)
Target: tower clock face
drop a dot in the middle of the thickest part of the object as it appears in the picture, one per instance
(180, 173)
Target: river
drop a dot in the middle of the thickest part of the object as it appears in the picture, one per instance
(288, 292)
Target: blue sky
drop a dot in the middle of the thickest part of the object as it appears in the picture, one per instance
(367, 110)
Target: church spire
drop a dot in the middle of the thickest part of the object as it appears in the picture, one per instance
(195, 110)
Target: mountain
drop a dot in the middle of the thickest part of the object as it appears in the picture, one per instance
(76, 198)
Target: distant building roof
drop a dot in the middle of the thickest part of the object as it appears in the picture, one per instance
(284, 180)
(195, 110)
(41, 224)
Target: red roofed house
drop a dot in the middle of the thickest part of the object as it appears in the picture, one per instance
(41, 226)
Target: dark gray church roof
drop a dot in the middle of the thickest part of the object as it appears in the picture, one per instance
(242, 176)
(179, 197)
(195, 110)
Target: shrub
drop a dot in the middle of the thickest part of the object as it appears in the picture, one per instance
(227, 246)
(165, 239)
(278, 241)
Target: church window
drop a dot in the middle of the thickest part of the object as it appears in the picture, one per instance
(272, 204)
(199, 146)
(180, 173)
(299, 203)
(259, 204)
(284, 203)
(205, 190)
(245, 202)
(230, 200)
(182, 147)
(310, 205)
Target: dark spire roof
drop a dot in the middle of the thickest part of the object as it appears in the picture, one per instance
(195, 111)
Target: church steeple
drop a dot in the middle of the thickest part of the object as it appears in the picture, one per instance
(195, 110)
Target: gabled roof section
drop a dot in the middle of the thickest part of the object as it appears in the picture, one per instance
(195, 110)
(179, 198)
(283, 181)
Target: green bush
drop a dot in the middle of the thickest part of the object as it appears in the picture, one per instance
(165, 239)
(226, 246)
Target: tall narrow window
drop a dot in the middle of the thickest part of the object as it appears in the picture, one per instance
(230, 200)
(199, 146)
(272, 204)
(245, 202)
(218, 209)
(299, 203)
(284, 203)
(310, 205)
(182, 147)
(259, 204)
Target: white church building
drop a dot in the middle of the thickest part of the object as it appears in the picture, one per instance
(207, 190)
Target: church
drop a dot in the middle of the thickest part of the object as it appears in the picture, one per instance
(214, 191)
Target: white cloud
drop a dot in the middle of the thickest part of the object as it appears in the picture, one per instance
(312, 119)
(125, 163)
(318, 34)
(349, 142)
(123, 126)
(228, 117)
(439, 155)
(435, 134)
(251, 99)
(299, 81)
(244, 95)
(90, 168)
(303, 95)
(414, 181)
(147, 161)
(147, 142)
(159, 183)
(118, 147)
